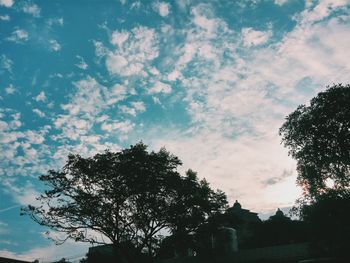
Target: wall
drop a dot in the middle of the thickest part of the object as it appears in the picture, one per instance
(292, 252)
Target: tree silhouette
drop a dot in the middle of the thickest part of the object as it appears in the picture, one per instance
(127, 196)
(328, 220)
(318, 137)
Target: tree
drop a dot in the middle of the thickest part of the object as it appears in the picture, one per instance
(328, 219)
(318, 137)
(195, 204)
(127, 196)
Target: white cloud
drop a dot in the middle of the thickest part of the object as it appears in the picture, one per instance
(174, 75)
(84, 106)
(41, 97)
(39, 113)
(117, 64)
(116, 93)
(204, 18)
(87, 107)
(22, 152)
(35, 137)
(253, 37)
(154, 71)
(3, 126)
(134, 50)
(89, 98)
(10, 89)
(160, 87)
(91, 139)
(31, 9)
(55, 21)
(6, 63)
(136, 107)
(322, 10)
(119, 38)
(162, 8)
(54, 45)
(139, 105)
(18, 36)
(281, 2)
(5, 18)
(123, 126)
(82, 64)
(6, 3)
(100, 50)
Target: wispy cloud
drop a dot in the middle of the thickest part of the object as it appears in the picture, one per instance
(39, 113)
(82, 64)
(10, 89)
(6, 3)
(54, 45)
(134, 108)
(281, 2)
(41, 97)
(31, 9)
(7, 209)
(18, 36)
(55, 21)
(6, 63)
(5, 17)
(162, 8)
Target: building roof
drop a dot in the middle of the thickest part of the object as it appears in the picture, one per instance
(279, 216)
(243, 214)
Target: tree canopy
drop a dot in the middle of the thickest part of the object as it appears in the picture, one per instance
(128, 196)
(318, 137)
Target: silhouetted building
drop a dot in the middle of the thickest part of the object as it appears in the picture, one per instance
(244, 221)
(244, 215)
(279, 216)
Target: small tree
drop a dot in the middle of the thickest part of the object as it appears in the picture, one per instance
(318, 137)
(127, 196)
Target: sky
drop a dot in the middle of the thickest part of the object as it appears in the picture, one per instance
(211, 81)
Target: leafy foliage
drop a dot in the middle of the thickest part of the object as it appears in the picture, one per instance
(318, 137)
(196, 202)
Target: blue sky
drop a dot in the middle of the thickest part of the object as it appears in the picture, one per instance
(210, 80)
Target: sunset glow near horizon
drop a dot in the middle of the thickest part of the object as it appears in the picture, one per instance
(211, 81)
